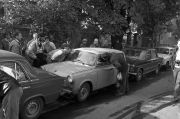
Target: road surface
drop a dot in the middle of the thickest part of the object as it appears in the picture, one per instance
(105, 105)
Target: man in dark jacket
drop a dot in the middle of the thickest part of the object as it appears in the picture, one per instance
(119, 61)
(10, 94)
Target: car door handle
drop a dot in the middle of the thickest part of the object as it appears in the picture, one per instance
(26, 87)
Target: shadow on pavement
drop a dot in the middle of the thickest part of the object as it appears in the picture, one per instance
(154, 105)
(144, 110)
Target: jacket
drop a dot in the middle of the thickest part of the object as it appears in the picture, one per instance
(15, 47)
(119, 62)
(7, 83)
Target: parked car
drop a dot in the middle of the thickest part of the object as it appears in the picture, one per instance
(168, 54)
(90, 70)
(39, 87)
(142, 61)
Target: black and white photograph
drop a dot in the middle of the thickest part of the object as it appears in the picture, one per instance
(89, 59)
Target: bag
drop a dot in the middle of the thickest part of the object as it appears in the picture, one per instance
(119, 76)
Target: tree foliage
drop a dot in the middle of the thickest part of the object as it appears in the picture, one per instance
(67, 17)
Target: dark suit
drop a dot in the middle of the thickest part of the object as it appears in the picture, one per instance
(120, 63)
(9, 96)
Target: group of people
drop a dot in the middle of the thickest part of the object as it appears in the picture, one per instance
(35, 50)
(96, 43)
(10, 89)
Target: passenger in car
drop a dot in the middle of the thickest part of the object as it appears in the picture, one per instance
(118, 60)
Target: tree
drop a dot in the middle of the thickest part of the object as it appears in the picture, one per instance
(154, 14)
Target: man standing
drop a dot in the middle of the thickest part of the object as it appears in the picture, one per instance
(95, 43)
(6, 41)
(10, 94)
(15, 45)
(175, 73)
(84, 43)
(119, 61)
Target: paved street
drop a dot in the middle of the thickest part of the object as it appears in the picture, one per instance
(104, 105)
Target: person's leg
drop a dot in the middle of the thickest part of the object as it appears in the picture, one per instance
(176, 83)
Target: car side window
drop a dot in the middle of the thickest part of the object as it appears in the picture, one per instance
(17, 69)
(104, 59)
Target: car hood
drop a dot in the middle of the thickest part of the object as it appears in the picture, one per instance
(164, 56)
(134, 61)
(43, 74)
(66, 68)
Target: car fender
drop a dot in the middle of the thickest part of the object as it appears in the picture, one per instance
(34, 96)
(81, 83)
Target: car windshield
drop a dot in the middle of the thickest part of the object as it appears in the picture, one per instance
(163, 50)
(86, 58)
(135, 53)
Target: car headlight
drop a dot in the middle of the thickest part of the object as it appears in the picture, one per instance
(70, 80)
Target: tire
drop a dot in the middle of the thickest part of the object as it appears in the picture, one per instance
(84, 92)
(28, 112)
(139, 75)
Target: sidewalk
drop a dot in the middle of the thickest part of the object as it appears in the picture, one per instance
(161, 107)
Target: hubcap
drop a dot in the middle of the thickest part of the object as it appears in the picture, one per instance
(84, 93)
(32, 108)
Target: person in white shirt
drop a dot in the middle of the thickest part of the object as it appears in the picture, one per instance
(176, 72)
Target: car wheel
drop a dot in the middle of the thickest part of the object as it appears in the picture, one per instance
(83, 92)
(139, 75)
(32, 108)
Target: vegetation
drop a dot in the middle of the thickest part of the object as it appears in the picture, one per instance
(73, 19)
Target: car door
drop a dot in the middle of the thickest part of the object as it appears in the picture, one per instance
(20, 76)
(154, 59)
(105, 72)
(147, 66)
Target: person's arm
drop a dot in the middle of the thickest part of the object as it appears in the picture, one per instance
(53, 45)
(30, 51)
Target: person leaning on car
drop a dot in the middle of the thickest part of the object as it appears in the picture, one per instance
(175, 73)
(119, 62)
(10, 94)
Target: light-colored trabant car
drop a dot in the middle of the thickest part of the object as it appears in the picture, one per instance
(90, 70)
(168, 55)
(39, 87)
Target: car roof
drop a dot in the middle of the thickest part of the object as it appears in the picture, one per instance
(168, 47)
(99, 50)
(9, 55)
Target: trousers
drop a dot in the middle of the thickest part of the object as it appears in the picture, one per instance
(176, 82)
